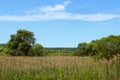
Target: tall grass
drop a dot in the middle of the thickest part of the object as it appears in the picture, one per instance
(58, 68)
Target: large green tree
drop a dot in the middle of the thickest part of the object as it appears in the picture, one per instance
(20, 43)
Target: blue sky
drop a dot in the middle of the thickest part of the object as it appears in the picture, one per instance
(60, 23)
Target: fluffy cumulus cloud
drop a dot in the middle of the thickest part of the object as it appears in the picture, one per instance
(57, 7)
(57, 12)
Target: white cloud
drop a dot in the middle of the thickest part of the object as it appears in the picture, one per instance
(60, 16)
(57, 7)
(96, 17)
(66, 3)
(57, 13)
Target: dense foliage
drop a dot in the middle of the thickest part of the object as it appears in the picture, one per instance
(2, 48)
(105, 47)
(21, 43)
(36, 50)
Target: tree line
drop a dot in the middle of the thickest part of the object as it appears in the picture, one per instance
(23, 43)
(105, 47)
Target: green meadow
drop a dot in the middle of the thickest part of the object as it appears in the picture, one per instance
(59, 68)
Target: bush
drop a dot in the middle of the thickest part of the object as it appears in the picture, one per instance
(36, 50)
(1, 49)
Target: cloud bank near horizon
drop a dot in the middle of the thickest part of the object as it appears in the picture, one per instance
(57, 12)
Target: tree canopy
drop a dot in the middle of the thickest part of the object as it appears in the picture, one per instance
(20, 43)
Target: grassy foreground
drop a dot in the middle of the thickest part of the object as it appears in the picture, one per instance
(58, 68)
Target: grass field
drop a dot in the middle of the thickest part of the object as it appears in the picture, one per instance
(58, 68)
